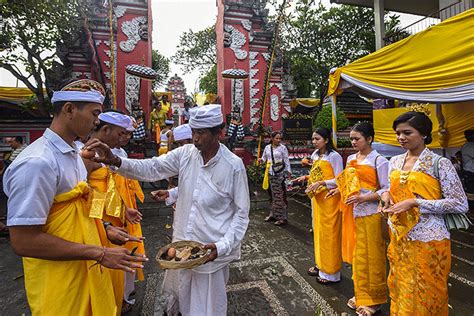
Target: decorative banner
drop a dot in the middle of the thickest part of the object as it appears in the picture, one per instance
(297, 128)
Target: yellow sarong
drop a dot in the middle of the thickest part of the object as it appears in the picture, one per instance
(363, 243)
(418, 279)
(106, 205)
(69, 287)
(130, 190)
(326, 221)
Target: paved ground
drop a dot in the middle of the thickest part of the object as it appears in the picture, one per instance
(270, 279)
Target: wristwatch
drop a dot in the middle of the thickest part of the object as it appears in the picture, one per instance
(107, 224)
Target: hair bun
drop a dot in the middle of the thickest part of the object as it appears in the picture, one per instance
(428, 139)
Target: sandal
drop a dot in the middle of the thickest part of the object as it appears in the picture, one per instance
(325, 282)
(351, 303)
(281, 222)
(270, 218)
(367, 310)
(313, 271)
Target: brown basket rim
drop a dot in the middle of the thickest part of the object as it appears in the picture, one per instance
(189, 264)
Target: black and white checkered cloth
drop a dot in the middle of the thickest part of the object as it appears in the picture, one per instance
(139, 132)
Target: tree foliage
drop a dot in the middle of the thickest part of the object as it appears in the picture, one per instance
(196, 50)
(161, 65)
(208, 82)
(31, 32)
(316, 38)
(324, 118)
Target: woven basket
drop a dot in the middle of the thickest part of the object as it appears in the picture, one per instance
(188, 264)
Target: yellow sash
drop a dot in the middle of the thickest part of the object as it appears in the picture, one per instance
(105, 195)
(407, 185)
(349, 182)
(266, 176)
(129, 191)
(320, 170)
(69, 287)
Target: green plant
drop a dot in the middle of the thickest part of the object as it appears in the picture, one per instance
(343, 142)
(324, 118)
(255, 173)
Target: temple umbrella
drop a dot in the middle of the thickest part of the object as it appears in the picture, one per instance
(142, 72)
(233, 74)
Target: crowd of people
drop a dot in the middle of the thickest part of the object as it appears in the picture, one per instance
(73, 215)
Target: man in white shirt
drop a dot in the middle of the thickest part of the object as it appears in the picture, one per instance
(48, 215)
(212, 206)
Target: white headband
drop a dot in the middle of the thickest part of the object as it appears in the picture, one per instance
(182, 132)
(206, 116)
(92, 96)
(117, 119)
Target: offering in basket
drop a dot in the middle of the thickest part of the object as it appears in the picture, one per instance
(184, 254)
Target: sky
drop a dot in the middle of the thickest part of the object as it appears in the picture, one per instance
(170, 19)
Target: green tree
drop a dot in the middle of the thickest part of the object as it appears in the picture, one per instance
(316, 38)
(197, 50)
(31, 32)
(208, 82)
(324, 118)
(161, 65)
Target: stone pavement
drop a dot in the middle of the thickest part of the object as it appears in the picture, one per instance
(271, 277)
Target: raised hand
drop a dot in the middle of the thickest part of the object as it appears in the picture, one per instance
(104, 154)
(119, 236)
(213, 254)
(133, 215)
(121, 259)
(160, 195)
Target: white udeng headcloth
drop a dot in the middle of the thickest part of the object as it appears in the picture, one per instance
(117, 119)
(182, 132)
(206, 116)
(91, 96)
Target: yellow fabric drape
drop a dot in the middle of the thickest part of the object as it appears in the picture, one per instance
(130, 190)
(16, 95)
(406, 185)
(458, 118)
(326, 221)
(369, 264)
(439, 57)
(69, 287)
(350, 181)
(266, 176)
(418, 279)
(100, 181)
(306, 102)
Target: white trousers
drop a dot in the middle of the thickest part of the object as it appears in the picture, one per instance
(198, 294)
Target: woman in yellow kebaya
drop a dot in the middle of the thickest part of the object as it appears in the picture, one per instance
(423, 188)
(361, 185)
(327, 164)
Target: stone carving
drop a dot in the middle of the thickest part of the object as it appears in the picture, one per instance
(119, 11)
(266, 56)
(108, 75)
(132, 91)
(237, 41)
(253, 61)
(132, 30)
(274, 107)
(247, 24)
(107, 63)
(238, 98)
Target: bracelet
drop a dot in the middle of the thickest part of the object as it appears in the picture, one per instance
(99, 261)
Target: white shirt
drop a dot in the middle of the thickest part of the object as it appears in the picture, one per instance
(120, 152)
(335, 159)
(381, 165)
(172, 197)
(280, 154)
(46, 168)
(431, 224)
(213, 204)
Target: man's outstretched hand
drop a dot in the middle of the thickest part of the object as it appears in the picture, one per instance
(103, 153)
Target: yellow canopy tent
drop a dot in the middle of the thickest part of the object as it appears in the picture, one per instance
(15, 95)
(202, 98)
(435, 65)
